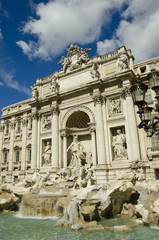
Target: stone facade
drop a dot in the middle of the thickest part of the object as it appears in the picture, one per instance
(88, 100)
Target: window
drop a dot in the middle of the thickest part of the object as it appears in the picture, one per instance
(18, 126)
(29, 153)
(7, 128)
(157, 174)
(30, 123)
(5, 156)
(143, 69)
(17, 154)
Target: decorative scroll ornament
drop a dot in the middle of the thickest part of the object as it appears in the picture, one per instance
(126, 92)
(76, 56)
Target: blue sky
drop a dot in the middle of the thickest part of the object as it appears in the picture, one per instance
(34, 34)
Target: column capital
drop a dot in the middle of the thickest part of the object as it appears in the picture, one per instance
(34, 114)
(12, 124)
(54, 110)
(125, 92)
(24, 122)
(63, 132)
(98, 99)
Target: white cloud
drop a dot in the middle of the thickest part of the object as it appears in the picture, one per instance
(62, 22)
(9, 81)
(138, 30)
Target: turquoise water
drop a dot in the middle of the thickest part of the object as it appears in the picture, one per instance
(13, 228)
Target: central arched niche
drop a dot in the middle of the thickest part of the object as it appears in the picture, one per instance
(78, 119)
(78, 124)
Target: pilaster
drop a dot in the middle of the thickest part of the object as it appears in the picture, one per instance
(11, 151)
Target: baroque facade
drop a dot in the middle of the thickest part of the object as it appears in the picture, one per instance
(82, 114)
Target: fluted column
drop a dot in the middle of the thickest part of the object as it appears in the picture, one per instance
(24, 139)
(131, 126)
(93, 137)
(11, 151)
(100, 130)
(64, 135)
(107, 147)
(55, 137)
(34, 139)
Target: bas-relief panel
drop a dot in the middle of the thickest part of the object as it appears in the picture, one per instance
(115, 107)
(46, 122)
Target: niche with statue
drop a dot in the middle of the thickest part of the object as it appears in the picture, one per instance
(119, 143)
(46, 153)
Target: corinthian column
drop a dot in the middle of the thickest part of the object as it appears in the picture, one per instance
(55, 137)
(100, 130)
(64, 135)
(131, 126)
(34, 139)
(93, 137)
(24, 138)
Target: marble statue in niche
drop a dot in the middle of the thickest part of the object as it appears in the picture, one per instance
(115, 106)
(46, 122)
(119, 145)
(78, 155)
(47, 153)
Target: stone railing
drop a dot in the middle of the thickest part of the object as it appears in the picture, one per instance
(109, 55)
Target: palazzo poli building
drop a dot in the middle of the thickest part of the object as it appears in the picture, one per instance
(89, 103)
